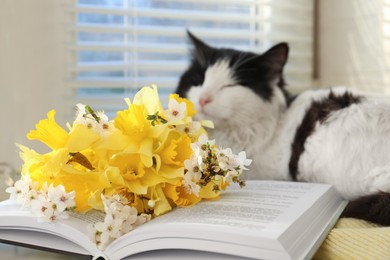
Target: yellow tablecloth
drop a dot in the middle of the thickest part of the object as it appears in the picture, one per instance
(356, 239)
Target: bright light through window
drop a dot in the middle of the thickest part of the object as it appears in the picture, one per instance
(122, 45)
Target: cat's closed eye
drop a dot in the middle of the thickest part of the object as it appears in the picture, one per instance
(228, 85)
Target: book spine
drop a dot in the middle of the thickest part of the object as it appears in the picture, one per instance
(100, 257)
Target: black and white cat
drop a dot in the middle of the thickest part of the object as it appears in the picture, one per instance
(335, 136)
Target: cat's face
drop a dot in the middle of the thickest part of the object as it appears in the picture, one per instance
(226, 84)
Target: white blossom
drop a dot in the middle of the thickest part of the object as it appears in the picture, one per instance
(176, 110)
(243, 161)
(24, 191)
(102, 125)
(119, 220)
(190, 128)
(84, 118)
(192, 175)
(47, 203)
(213, 163)
(60, 198)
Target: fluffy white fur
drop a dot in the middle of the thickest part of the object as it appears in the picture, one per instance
(351, 150)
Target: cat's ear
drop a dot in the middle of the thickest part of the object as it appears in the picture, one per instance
(201, 50)
(276, 57)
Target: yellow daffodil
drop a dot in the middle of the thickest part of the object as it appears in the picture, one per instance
(49, 132)
(136, 176)
(133, 122)
(43, 167)
(56, 167)
(177, 150)
(180, 196)
(130, 166)
(171, 154)
(84, 183)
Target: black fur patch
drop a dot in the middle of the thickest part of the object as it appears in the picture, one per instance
(374, 208)
(257, 72)
(319, 111)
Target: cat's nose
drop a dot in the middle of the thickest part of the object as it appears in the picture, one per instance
(204, 100)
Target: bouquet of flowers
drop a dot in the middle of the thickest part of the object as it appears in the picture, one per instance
(141, 164)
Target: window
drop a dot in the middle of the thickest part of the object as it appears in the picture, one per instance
(122, 45)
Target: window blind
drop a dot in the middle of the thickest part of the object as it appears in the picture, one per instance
(355, 44)
(121, 45)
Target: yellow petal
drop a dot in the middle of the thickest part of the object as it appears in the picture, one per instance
(116, 141)
(137, 187)
(146, 152)
(57, 160)
(114, 176)
(148, 97)
(162, 205)
(176, 150)
(85, 184)
(171, 172)
(180, 196)
(80, 138)
(49, 132)
(131, 147)
(207, 192)
(27, 154)
(44, 167)
(95, 201)
(151, 178)
(133, 122)
(207, 123)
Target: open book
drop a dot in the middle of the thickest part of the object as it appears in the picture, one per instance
(266, 219)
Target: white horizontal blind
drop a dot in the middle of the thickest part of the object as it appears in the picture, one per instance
(355, 44)
(122, 45)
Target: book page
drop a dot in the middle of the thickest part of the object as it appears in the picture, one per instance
(255, 215)
(74, 229)
(253, 207)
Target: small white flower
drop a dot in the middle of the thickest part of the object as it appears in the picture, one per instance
(23, 191)
(190, 181)
(176, 110)
(128, 226)
(84, 118)
(103, 127)
(203, 139)
(230, 175)
(141, 219)
(191, 128)
(60, 198)
(243, 161)
(102, 236)
(119, 220)
(226, 159)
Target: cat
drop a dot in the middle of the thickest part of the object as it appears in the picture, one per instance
(336, 135)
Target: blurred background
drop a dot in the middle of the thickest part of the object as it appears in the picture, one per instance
(56, 53)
